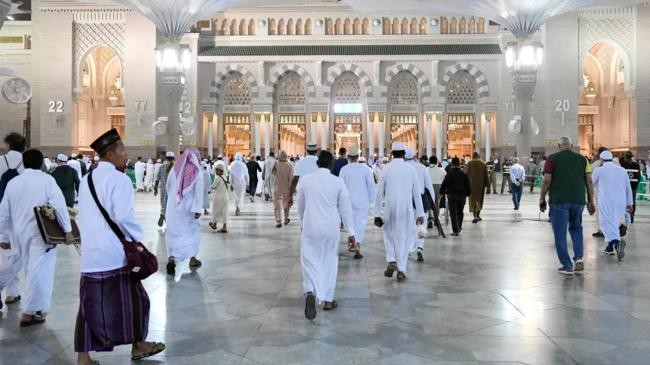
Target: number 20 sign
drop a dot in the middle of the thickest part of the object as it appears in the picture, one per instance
(562, 105)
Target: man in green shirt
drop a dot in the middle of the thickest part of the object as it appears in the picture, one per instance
(67, 179)
(567, 176)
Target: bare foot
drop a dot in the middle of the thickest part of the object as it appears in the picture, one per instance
(83, 358)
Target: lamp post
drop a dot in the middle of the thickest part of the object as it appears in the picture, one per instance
(523, 58)
(173, 61)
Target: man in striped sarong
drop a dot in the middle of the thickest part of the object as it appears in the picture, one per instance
(113, 307)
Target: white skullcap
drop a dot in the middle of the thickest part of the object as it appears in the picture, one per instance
(74, 155)
(398, 146)
(353, 151)
(409, 154)
(61, 157)
(606, 156)
(96, 158)
(158, 160)
(362, 159)
(170, 154)
(312, 147)
(220, 165)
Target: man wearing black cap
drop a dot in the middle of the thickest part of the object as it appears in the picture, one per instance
(113, 308)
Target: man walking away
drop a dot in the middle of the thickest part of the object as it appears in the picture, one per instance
(303, 167)
(340, 162)
(253, 167)
(427, 195)
(323, 201)
(67, 179)
(505, 175)
(477, 174)
(614, 199)
(220, 189)
(360, 183)
(567, 178)
(184, 208)
(634, 172)
(161, 183)
(139, 170)
(517, 178)
(269, 178)
(282, 174)
(457, 188)
(532, 171)
(398, 191)
(113, 307)
(239, 180)
(33, 188)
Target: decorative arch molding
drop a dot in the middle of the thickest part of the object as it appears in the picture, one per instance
(337, 70)
(482, 86)
(280, 70)
(627, 61)
(104, 29)
(423, 80)
(222, 75)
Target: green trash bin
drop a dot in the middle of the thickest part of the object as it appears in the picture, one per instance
(641, 190)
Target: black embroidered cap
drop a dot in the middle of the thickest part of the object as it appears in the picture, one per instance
(105, 140)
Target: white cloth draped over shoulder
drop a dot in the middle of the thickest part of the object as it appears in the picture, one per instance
(398, 188)
(31, 189)
(359, 181)
(323, 203)
(184, 199)
(614, 195)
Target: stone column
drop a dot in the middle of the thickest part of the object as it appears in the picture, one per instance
(210, 136)
(523, 85)
(173, 94)
(438, 118)
(381, 128)
(257, 135)
(488, 137)
(371, 137)
(428, 136)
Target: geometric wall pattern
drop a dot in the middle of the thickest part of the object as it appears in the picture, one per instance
(339, 69)
(282, 69)
(482, 87)
(216, 87)
(425, 85)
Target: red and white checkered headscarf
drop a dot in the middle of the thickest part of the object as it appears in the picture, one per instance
(187, 170)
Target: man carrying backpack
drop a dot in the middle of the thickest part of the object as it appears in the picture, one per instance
(11, 165)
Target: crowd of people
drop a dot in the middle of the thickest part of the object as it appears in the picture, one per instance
(402, 193)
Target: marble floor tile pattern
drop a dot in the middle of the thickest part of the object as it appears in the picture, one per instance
(491, 296)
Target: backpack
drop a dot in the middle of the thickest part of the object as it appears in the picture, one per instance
(7, 176)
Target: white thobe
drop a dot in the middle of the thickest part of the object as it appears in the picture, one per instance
(398, 188)
(424, 183)
(101, 250)
(10, 260)
(33, 188)
(149, 176)
(260, 178)
(75, 164)
(220, 200)
(360, 183)
(182, 236)
(323, 203)
(239, 180)
(614, 195)
(140, 168)
(269, 177)
(207, 182)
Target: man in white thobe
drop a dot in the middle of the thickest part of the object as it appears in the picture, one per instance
(75, 164)
(33, 188)
(184, 208)
(239, 179)
(149, 175)
(139, 170)
(614, 199)
(424, 186)
(323, 202)
(598, 162)
(207, 184)
(360, 183)
(11, 260)
(268, 177)
(304, 166)
(398, 188)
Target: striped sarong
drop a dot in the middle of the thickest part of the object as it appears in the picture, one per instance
(113, 310)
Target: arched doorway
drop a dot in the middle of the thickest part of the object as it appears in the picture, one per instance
(290, 102)
(236, 124)
(100, 100)
(404, 100)
(347, 107)
(461, 115)
(605, 113)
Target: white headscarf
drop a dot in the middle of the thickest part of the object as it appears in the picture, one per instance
(238, 169)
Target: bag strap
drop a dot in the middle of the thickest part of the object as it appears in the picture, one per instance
(114, 227)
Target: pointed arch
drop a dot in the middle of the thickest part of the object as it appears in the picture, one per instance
(280, 70)
(365, 26)
(423, 80)
(217, 84)
(251, 27)
(337, 70)
(281, 27)
(299, 27)
(308, 27)
(482, 86)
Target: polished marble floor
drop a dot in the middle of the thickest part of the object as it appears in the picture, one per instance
(491, 296)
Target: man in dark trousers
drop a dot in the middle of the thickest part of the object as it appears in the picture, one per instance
(67, 179)
(634, 172)
(253, 168)
(457, 188)
(340, 162)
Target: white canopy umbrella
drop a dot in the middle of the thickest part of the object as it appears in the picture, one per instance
(5, 5)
